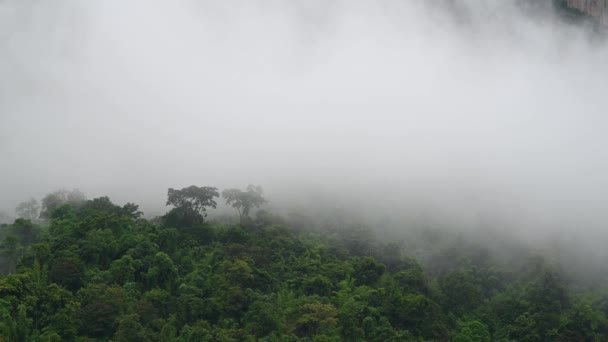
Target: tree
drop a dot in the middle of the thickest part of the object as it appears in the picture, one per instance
(473, 331)
(190, 204)
(122, 270)
(25, 231)
(9, 250)
(315, 317)
(461, 294)
(22, 326)
(130, 329)
(67, 272)
(163, 273)
(244, 201)
(101, 306)
(28, 210)
(56, 199)
(367, 270)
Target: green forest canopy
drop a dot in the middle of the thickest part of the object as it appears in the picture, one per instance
(96, 271)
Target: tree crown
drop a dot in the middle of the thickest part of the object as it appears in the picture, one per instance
(193, 198)
(243, 201)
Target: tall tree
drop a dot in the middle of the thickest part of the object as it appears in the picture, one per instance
(244, 201)
(190, 204)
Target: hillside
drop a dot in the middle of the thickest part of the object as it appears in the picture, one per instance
(99, 272)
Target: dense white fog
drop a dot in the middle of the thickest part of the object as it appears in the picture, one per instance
(472, 112)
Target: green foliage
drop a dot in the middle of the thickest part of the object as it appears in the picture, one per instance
(316, 317)
(98, 271)
(67, 272)
(473, 331)
(59, 198)
(25, 231)
(130, 330)
(101, 306)
(367, 270)
(460, 292)
(9, 252)
(190, 205)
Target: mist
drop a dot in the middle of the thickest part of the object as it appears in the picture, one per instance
(470, 113)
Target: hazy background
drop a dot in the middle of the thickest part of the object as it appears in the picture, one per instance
(472, 112)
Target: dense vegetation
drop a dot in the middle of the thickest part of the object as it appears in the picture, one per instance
(98, 271)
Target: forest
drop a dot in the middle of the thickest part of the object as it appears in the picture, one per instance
(431, 170)
(91, 270)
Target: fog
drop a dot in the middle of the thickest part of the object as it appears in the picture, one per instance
(471, 112)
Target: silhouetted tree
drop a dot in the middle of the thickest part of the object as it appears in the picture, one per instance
(244, 201)
(190, 204)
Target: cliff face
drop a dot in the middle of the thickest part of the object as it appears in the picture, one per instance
(595, 8)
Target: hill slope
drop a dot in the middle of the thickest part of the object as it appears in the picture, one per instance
(100, 272)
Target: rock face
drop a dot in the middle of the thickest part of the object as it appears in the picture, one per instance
(595, 8)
